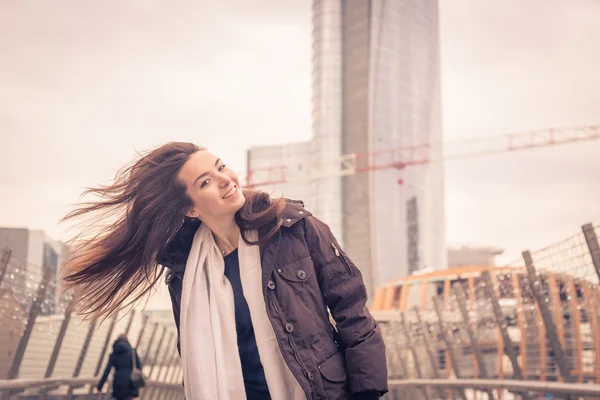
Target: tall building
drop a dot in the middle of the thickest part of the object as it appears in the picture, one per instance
(292, 156)
(376, 87)
(32, 251)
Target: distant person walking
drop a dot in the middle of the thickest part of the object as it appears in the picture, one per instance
(121, 359)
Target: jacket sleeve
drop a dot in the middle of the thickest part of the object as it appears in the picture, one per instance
(345, 295)
(105, 374)
(138, 362)
(176, 310)
(176, 313)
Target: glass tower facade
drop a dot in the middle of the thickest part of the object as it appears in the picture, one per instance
(376, 87)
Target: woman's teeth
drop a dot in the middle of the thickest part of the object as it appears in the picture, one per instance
(231, 192)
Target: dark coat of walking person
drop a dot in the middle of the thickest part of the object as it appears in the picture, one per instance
(254, 281)
(121, 359)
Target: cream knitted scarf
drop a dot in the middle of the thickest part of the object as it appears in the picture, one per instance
(211, 363)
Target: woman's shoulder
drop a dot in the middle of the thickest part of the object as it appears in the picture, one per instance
(293, 212)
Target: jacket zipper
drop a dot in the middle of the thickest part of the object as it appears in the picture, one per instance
(291, 340)
(341, 257)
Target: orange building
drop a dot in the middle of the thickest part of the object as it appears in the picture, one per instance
(574, 303)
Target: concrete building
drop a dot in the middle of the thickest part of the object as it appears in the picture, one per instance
(376, 87)
(32, 251)
(468, 256)
(292, 156)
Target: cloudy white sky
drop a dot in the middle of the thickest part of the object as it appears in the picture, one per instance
(85, 83)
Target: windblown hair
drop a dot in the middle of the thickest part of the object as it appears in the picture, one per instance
(115, 254)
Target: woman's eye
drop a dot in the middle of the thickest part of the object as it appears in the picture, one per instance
(204, 183)
(222, 167)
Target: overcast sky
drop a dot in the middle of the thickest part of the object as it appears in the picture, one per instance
(85, 83)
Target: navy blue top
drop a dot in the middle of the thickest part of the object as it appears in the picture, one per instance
(252, 369)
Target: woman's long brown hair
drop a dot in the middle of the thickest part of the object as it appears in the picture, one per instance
(114, 257)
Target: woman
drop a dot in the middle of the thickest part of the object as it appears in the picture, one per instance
(252, 281)
(121, 359)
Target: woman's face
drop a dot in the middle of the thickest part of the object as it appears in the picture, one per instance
(213, 188)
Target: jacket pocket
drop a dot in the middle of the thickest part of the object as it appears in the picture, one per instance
(335, 378)
(299, 271)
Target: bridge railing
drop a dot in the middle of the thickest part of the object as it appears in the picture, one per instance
(499, 332)
(487, 332)
(36, 388)
(45, 351)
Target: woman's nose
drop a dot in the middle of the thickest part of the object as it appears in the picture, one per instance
(225, 180)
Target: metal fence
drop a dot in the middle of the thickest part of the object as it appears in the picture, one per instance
(528, 329)
(531, 328)
(46, 352)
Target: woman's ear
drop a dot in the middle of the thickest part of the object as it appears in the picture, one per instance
(192, 213)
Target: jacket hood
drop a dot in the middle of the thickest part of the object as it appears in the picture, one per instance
(121, 346)
(174, 257)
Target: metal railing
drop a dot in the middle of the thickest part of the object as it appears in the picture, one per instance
(47, 352)
(532, 388)
(529, 329)
(38, 388)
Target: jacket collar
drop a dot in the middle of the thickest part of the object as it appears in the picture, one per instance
(174, 257)
(293, 212)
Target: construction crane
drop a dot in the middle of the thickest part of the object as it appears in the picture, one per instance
(402, 157)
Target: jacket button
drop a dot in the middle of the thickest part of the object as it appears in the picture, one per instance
(300, 212)
(288, 220)
(301, 274)
(311, 376)
(271, 285)
(289, 327)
